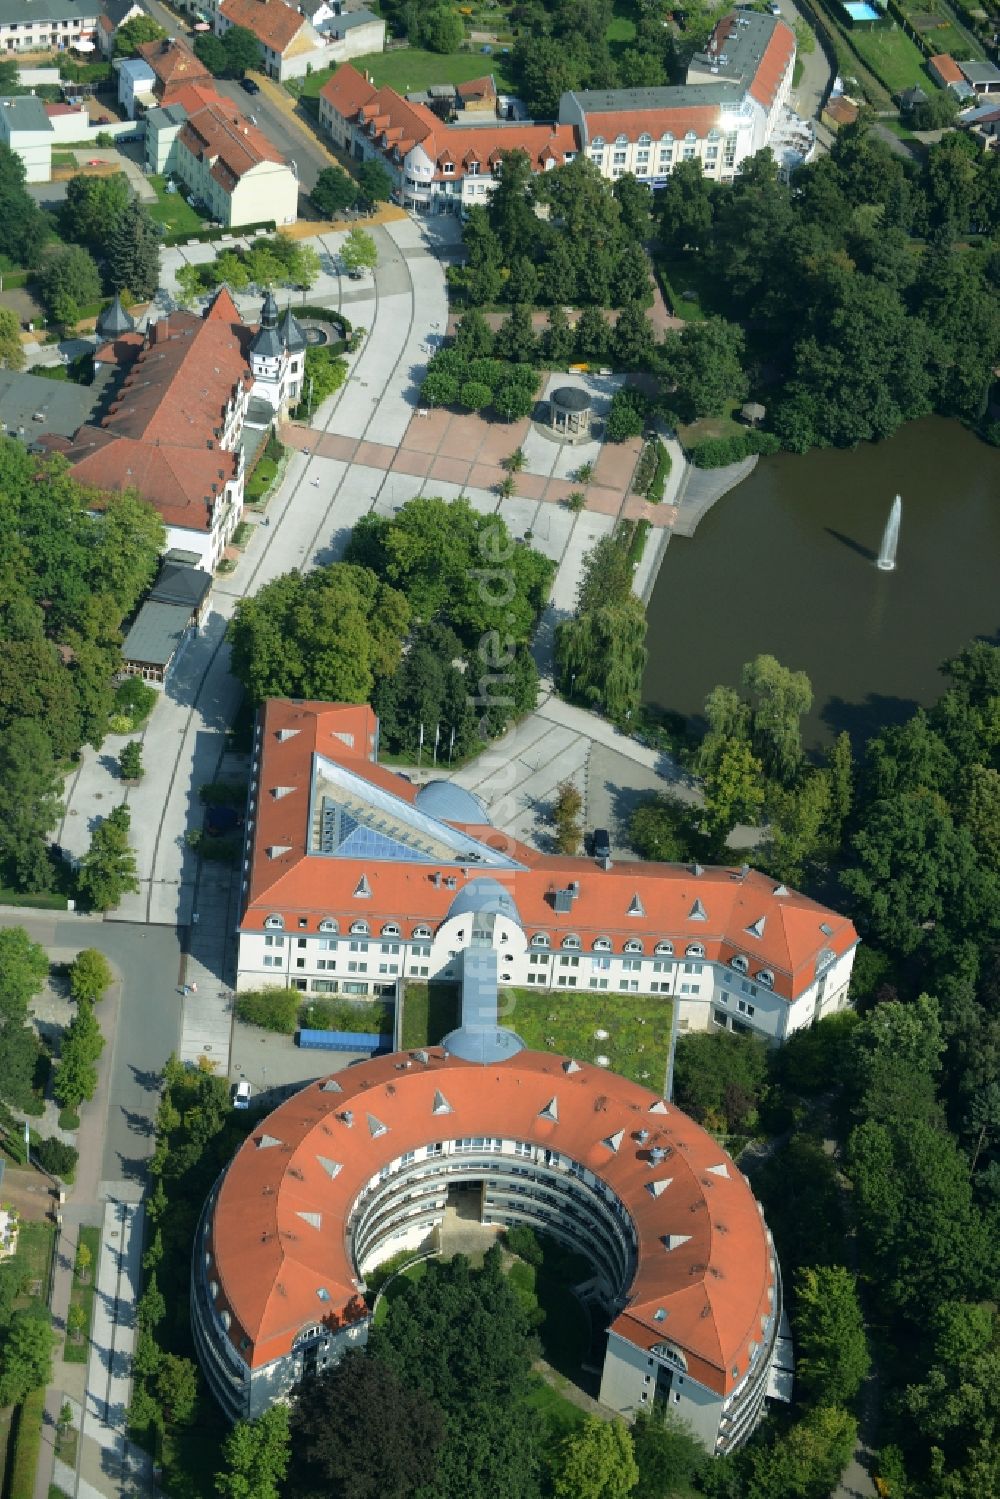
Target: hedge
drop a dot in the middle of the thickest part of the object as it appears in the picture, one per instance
(717, 452)
(659, 479)
(212, 236)
(272, 1009)
(27, 1446)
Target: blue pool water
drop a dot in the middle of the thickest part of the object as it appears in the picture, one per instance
(860, 10)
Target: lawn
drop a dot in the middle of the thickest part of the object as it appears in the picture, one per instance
(558, 1415)
(897, 61)
(35, 1243)
(684, 280)
(415, 1272)
(261, 480)
(638, 1027)
(172, 210)
(411, 69)
(430, 1011)
(724, 425)
(82, 1294)
(620, 30)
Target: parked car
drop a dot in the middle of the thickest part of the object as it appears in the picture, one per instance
(601, 844)
(242, 1093)
(249, 85)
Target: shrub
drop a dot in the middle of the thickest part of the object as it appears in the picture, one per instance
(660, 474)
(627, 416)
(272, 1009)
(224, 794)
(135, 699)
(89, 974)
(717, 452)
(523, 1241)
(341, 1015)
(120, 723)
(27, 1446)
(69, 1119)
(56, 1158)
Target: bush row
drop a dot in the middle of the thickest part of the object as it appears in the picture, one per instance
(717, 452)
(27, 1446)
(651, 471)
(211, 236)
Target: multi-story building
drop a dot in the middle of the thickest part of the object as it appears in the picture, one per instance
(174, 429)
(433, 165)
(363, 1164)
(232, 168)
(725, 112)
(354, 879)
(48, 25)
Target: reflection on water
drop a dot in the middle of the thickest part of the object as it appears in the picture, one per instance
(786, 564)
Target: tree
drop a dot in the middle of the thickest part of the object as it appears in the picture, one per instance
(807, 1459)
(596, 1461)
(566, 812)
(593, 335)
(68, 282)
(130, 761)
(661, 828)
(632, 341)
(89, 975)
(332, 1423)
(24, 967)
(601, 656)
(686, 207)
(134, 252)
(359, 251)
(328, 635)
(23, 226)
(514, 393)
(667, 1453)
(830, 1334)
(333, 192)
(606, 575)
(895, 1060)
(209, 50)
(515, 338)
(11, 348)
(719, 1078)
(191, 285)
(256, 1456)
(778, 698)
(704, 363)
(798, 819)
(76, 1322)
(242, 51)
(84, 1261)
(374, 181)
(558, 338)
(82, 1044)
(26, 1356)
(133, 32)
(108, 869)
(627, 416)
(635, 201)
(176, 1384)
(734, 791)
(474, 336)
(272, 1009)
(440, 29)
(92, 208)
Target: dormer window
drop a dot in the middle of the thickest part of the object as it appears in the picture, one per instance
(448, 168)
(633, 945)
(621, 140)
(421, 933)
(390, 929)
(690, 136)
(739, 963)
(645, 139)
(602, 944)
(664, 949)
(598, 140)
(359, 929)
(328, 925)
(274, 923)
(540, 939)
(694, 950)
(571, 942)
(765, 977)
(667, 137)
(473, 169)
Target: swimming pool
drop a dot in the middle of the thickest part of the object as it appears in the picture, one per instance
(860, 10)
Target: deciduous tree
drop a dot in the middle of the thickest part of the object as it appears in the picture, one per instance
(256, 1455)
(596, 1461)
(833, 1355)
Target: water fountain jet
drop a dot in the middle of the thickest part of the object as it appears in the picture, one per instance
(890, 538)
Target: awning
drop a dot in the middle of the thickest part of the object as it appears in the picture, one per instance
(84, 46)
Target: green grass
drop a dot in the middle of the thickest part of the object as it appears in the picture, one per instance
(620, 30)
(680, 273)
(172, 209)
(430, 1011)
(637, 1050)
(82, 1294)
(897, 61)
(558, 1415)
(415, 1272)
(411, 69)
(35, 1244)
(724, 425)
(309, 86)
(48, 902)
(27, 1446)
(261, 480)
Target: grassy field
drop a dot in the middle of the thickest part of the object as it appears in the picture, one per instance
(411, 69)
(35, 1243)
(724, 425)
(172, 210)
(620, 30)
(897, 61)
(82, 1294)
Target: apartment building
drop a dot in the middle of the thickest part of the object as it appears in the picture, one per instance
(48, 25)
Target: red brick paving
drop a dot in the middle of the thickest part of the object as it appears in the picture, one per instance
(417, 464)
(485, 475)
(450, 470)
(604, 501)
(616, 464)
(375, 454)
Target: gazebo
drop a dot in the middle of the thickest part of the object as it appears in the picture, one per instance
(753, 413)
(570, 413)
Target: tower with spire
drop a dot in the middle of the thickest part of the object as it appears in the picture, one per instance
(277, 357)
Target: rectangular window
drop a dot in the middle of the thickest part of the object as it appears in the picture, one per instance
(326, 965)
(359, 947)
(300, 984)
(355, 988)
(689, 153)
(324, 986)
(748, 988)
(569, 962)
(390, 948)
(744, 1008)
(620, 158)
(692, 967)
(659, 966)
(720, 1017)
(631, 986)
(271, 962)
(601, 964)
(300, 962)
(631, 965)
(355, 967)
(271, 941)
(388, 968)
(598, 983)
(300, 941)
(690, 988)
(570, 982)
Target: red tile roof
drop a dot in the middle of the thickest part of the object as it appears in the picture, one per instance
(487, 147)
(278, 1233)
(777, 58)
(220, 134)
(347, 91)
(272, 21)
(946, 68)
(161, 434)
(701, 118)
(477, 88)
(174, 64)
(744, 914)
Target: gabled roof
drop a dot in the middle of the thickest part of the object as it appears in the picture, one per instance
(347, 91)
(220, 134)
(416, 877)
(174, 64)
(946, 68)
(272, 22)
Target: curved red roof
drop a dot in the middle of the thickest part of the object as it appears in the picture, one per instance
(705, 1277)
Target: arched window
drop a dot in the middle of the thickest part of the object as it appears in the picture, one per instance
(602, 944)
(825, 958)
(765, 977)
(226, 1321)
(690, 136)
(713, 135)
(621, 140)
(328, 925)
(359, 928)
(598, 140)
(633, 945)
(572, 941)
(665, 949)
(645, 139)
(694, 950)
(421, 933)
(390, 929)
(540, 939)
(739, 963)
(274, 922)
(667, 137)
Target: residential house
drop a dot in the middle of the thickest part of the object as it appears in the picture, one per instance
(165, 122)
(48, 25)
(289, 43)
(136, 86)
(478, 95)
(231, 166)
(26, 130)
(174, 66)
(982, 77)
(356, 878)
(946, 71)
(434, 166)
(348, 33)
(114, 15)
(983, 123)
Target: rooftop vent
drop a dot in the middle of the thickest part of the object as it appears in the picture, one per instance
(674, 1241)
(635, 906)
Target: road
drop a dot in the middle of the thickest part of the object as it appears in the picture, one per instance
(293, 144)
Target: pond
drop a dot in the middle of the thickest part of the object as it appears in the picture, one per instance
(785, 563)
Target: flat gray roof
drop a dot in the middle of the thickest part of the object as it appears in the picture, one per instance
(672, 96)
(981, 72)
(166, 115)
(157, 632)
(743, 48)
(24, 112)
(31, 405)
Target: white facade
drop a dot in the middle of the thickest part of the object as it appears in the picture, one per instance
(51, 25)
(269, 190)
(136, 85)
(26, 129)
